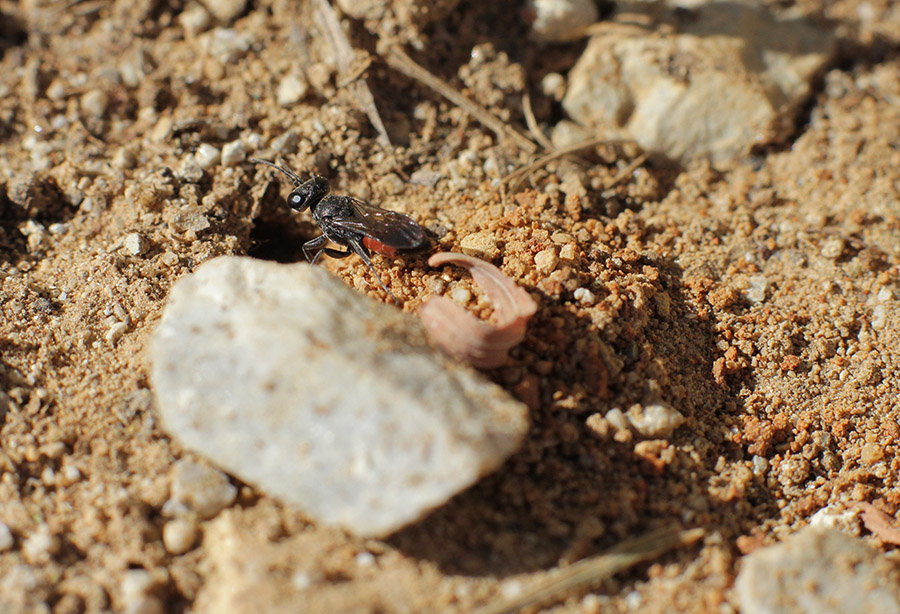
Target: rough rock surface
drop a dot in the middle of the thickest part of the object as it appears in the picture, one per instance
(732, 77)
(818, 571)
(292, 381)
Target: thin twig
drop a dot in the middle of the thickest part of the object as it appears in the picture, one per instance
(515, 177)
(344, 56)
(623, 174)
(591, 571)
(397, 59)
(533, 127)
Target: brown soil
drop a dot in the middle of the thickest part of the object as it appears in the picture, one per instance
(791, 399)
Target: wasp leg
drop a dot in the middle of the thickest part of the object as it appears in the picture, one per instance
(316, 243)
(361, 252)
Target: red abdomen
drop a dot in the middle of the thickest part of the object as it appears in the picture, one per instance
(378, 247)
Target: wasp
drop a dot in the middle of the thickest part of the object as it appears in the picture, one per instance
(355, 224)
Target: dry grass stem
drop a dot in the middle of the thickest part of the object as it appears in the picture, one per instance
(397, 59)
(531, 122)
(591, 571)
(626, 172)
(346, 60)
(515, 177)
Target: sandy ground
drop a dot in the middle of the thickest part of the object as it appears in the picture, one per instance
(759, 299)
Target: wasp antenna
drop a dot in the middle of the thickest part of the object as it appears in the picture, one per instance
(291, 174)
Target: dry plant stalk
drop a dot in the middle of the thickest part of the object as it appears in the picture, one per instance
(345, 58)
(461, 334)
(515, 177)
(591, 571)
(397, 59)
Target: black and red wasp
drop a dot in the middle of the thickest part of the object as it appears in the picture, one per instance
(350, 222)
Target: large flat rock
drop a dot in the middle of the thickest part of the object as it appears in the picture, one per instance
(294, 382)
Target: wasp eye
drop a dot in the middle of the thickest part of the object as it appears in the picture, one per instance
(295, 200)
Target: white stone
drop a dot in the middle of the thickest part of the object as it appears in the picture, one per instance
(291, 90)
(6, 537)
(225, 10)
(115, 332)
(207, 156)
(203, 490)
(194, 19)
(179, 535)
(234, 153)
(657, 419)
(560, 20)
(554, 85)
(546, 260)
(817, 571)
(40, 546)
(584, 296)
(758, 286)
(94, 103)
(744, 75)
(134, 243)
(294, 382)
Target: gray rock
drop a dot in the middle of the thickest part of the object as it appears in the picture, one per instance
(201, 490)
(818, 571)
(289, 379)
(731, 78)
(226, 10)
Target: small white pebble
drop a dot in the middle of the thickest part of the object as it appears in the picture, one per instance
(233, 153)
(633, 600)
(584, 296)
(194, 20)
(616, 417)
(48, 476)
(144, 604)
(202, 489)
(461, 295)
(833, 247)
(546, 260)
(560, 20)
(40, 546)
(115, 332)
(879, 316)
(58, 228)
(69, 475)
(94, 103)
(657, 419)
(254, 140)
(554, 85)
(291, 90)
(365, 559)
(884, 295)
(134, 243)
(124, 158)
(6, 537)
(207, 156)
(179, 535)
(759, 284)
(568, 252)
(285, 142)
(301, 581)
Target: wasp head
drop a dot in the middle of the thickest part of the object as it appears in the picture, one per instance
(308, 193)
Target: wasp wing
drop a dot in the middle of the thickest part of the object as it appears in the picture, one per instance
(385, 226)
